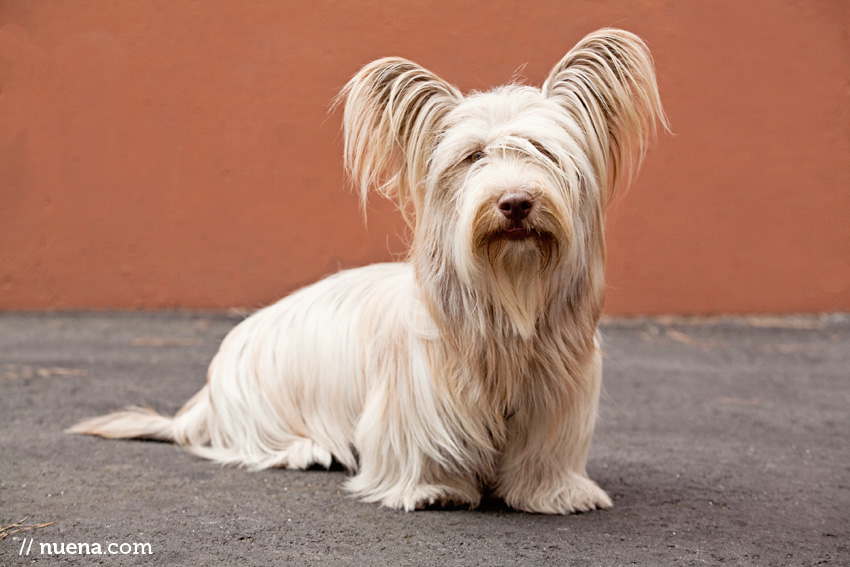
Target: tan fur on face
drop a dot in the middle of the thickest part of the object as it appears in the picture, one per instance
(476, 362)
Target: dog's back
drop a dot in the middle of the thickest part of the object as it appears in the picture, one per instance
(288, 384)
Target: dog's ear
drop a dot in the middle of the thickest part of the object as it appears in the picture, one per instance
(393, 112)
(607, 83)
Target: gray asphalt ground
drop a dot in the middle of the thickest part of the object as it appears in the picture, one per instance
(722, 442)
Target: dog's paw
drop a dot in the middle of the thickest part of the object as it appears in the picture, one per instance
(423, 496)
(575, 493)
(426, 495)
(299, 454)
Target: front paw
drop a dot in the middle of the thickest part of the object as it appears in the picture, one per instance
(575, 493)
(426, 495)
(403, 496)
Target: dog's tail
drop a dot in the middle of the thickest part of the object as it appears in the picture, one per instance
(132, 422)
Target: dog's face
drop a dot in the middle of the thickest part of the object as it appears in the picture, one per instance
(504, 199)
(504, 186)
(505, 190)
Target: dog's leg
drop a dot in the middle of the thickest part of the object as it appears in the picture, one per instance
(411, 441)
(400, 461)
(543, 466)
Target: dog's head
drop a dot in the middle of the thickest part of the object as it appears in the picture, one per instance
(505, 190)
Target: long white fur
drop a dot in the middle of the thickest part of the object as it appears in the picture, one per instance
(476, 362)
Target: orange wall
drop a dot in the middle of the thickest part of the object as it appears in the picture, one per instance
(179, 154)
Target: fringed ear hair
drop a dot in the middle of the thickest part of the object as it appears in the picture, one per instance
(607, 83)
(393, 111)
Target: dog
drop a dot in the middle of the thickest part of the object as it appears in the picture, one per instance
(475, 365)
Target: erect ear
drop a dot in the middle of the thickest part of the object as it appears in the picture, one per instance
(607, 83)
(393, 113)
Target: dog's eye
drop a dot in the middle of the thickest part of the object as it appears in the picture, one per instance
(477, 155)
(546, 153)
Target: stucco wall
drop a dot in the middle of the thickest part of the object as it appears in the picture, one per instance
(181, 154)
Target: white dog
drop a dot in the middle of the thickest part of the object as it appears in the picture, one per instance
(475, 364)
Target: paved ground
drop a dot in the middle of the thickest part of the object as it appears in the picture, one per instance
(722, 442)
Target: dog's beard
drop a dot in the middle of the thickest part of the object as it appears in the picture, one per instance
(518, 272)
(537, 249)
(505, 268)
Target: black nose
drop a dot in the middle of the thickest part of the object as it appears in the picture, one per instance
(515, 205)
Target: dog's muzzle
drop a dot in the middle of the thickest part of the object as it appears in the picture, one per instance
(515, 206)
